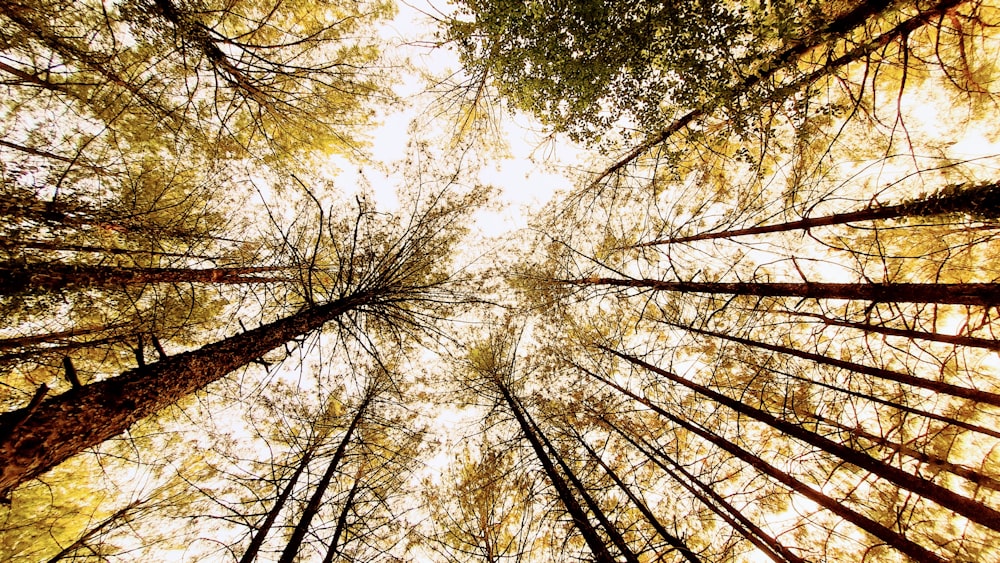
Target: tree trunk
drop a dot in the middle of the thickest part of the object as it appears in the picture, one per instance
(580, 520)
(34, 442)
(316, 500)
(334, 546)
(15, 279)
(258, 539)
(971, 509)
(734, 517)
(65, 247)
(989, 344)
(119, 515)
(943, 464)
(671, 539)
(982, 294)
(905, 378)
(983, 201)
(889, 536)
(595, 508)
(25, 341)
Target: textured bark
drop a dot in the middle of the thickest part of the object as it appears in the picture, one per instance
(261, 534)
(15, 279)
(971, 509)
(291, 550)
(671, 539)
(905, 378)
(80, 418)
(978, 201)
(989, 344)
(580, 520)
(983, 294)
(890, 537)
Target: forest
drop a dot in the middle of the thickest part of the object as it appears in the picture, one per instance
(752, 323)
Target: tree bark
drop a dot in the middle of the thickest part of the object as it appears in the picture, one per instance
(971, 341)
(671, 539)
(334, 547)
(580, 520)
(982, 200)
(905, 378)
(982, 294)
(258, 538)
(80, 418)
(15, 279)
(890, 537)
(316, 500)
(971, 509)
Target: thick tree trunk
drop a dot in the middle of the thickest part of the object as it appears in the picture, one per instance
(15, 279)
(890, 537)
(971, 509)
(34, 442)
(712, 500)
(982, 294)
(261, 534)
(983, 200)
(671, 539)
(291, 550)
(580, 520)
(905, 378)
(905, 333)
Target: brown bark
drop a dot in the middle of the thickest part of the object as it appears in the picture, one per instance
(934, 461)
(80, 418)
(983, 200)
(982, 294)
(265, 526)
(24, 341)
(291, 550)
(971, 509)
(890, 537)
(15, 279)
(65, 247)
(334, 547)
(905, 378)
(580, 520)
(989, 344)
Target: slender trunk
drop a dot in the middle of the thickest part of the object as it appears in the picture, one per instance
(34, 442)
(905, 378)
(119, 515)
(983, 294)
(595, 508)
(890, 537)
(982, 200)
(671, 539)
(261, 534)
(713, 501)
(989, 344)
(955, 469)
(65, 247)
(971, 509)
(61, 349)
(334, 546)
(890, 404)
(316, 500)
(15, 279)
(580, 520)
(841, 25)
(25, 341)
